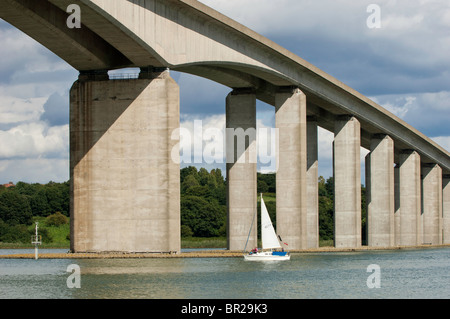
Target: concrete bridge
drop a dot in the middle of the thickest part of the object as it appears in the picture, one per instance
(124, 185)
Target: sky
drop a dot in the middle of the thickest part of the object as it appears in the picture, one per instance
(397, 54)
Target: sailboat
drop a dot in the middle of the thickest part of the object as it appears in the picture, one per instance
(269, 240)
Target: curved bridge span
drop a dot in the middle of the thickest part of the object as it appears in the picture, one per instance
(121, 131)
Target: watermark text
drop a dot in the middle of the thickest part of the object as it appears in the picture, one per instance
(374, 19)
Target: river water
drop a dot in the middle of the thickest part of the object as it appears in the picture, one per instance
(400, 274)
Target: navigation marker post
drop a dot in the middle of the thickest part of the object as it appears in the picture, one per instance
(36, 240)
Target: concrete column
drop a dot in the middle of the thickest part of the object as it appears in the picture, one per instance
(410, 199)
(347, 182)
(290, 120)
(397, 232)
(241, 169)
(312, 176)
(446, 209)
(125, 187)
(432, 204)
(380, 192)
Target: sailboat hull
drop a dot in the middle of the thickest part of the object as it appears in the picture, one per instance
(267, 256)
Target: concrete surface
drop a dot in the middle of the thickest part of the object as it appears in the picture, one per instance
(312, 175)
(347, 182)
(125, 188)
(241, 170)
(409, 219)
(446, 209)
(290, 121)
(432, 204)
(380, 192)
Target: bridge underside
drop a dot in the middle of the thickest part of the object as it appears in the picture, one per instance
(108, 152)
(111, 37)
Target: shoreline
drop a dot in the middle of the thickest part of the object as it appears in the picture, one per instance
(212, 253)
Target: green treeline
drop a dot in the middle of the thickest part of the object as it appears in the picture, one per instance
(202, 201)
(24, 203)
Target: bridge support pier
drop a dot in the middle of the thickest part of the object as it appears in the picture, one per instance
(291, 180)
(446, 209)
(432, 204)
(241, 169)
(380, 192)
(347, 182)
(312, 175)
(409, 192)
(124, 184)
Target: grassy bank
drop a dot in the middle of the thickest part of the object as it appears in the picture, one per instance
(191, 242)
(197, 242)
(59, 238)
(52, 236)
(29, 246)
(58, 235)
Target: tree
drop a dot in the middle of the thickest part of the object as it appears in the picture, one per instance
(39, 204)
(187, 171)
(188, 182)
(58, 197)
(326, 218)
(15, 208)
(186, 231)
(363, 215)
(262, 187)
(15, 233)
(4, 229)
(217, 174)
(322, 187)
(269, 179)
(329, 185)
(56, 219)
(204, 192)
(326, 208)
(202, 217)
(204, 176)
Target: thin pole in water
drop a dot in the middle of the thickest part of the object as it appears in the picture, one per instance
(36, 241)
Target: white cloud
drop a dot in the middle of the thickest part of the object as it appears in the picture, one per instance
(427, 112)
(31, 149)
(289, 16)
(23, 58)
(15, 49)
(397, 105)
(34, 170)
(203, 141)
(35, 140)
(408, 53)
(402, 23)
(15, 110)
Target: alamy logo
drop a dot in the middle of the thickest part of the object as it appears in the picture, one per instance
(374, 280)
(230, 145)
(374, 19)
(74, 19)
(74, 279)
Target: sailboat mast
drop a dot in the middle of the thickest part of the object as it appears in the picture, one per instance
(250, 231)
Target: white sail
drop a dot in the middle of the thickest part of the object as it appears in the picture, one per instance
(269, 237)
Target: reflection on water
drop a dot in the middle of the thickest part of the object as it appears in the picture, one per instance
(404, 274)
